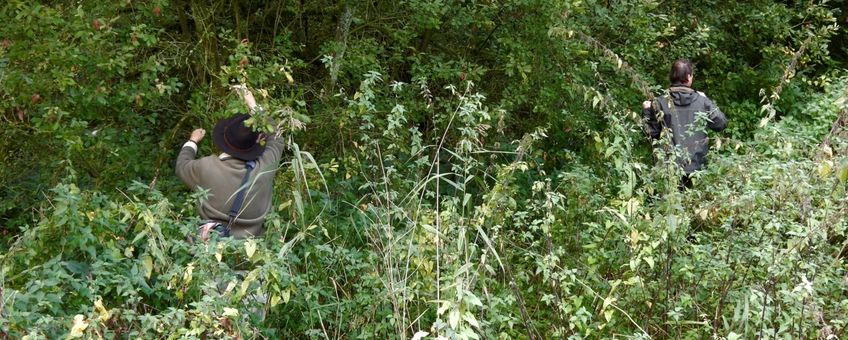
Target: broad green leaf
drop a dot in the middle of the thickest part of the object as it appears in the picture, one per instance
(250, 248)
(453, 318)
(468, 317)
(472, 299)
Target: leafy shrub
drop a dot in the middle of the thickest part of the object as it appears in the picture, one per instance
(453, 169)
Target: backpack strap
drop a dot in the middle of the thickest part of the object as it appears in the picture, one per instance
(237, 202)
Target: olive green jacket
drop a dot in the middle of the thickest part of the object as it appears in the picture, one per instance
(222, 175)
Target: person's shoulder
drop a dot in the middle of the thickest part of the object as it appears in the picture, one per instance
(208, 159)
(704, 96)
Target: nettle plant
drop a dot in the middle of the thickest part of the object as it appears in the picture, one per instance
(418, 204)
(755, 250)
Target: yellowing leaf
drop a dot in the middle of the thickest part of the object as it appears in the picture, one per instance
(147, 265)
(230, 287)
(608, 301)
(250, 248)
(284, 205)
(825, 168)
(104, 313)
(286, 295)
(219, 252)
(231, 312)
(827, 150)
(189, 272)
(248, 280)
(79, 326)
(843, 173)
(608, 314)
(703, 214)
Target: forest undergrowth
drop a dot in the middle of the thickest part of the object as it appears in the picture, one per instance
(425, 192)
(466, 248)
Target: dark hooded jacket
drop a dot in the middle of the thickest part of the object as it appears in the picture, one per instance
(687, 116)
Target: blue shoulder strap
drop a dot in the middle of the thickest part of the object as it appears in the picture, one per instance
(242, 190)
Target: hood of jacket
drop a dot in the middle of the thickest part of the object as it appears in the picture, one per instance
(682, 95)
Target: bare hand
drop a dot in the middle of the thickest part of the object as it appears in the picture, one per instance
(204, 231)
(197, 135)
(646, 104)
(246, 95)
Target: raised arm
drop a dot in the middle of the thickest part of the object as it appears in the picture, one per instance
(187, 167)
(273, 146)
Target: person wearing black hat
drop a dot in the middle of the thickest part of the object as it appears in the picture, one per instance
(240, 180)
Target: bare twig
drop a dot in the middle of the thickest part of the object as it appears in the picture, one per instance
(841, 121)
(507, 269)
(610, 55)
(788, 73)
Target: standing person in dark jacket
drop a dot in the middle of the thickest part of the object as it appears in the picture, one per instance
(247, 163)
(683, 115)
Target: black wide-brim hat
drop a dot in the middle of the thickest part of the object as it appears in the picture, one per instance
(237, 140)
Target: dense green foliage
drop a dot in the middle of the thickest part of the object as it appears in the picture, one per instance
(466, 169)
